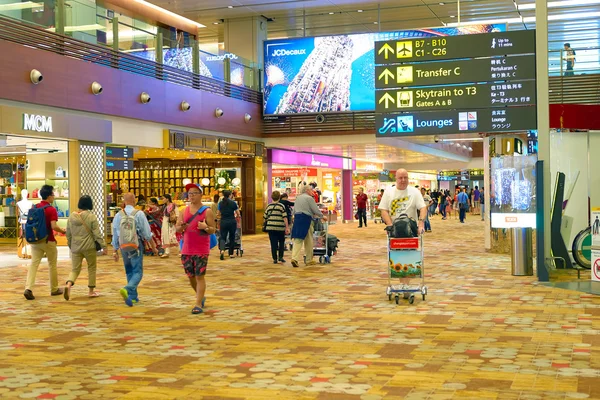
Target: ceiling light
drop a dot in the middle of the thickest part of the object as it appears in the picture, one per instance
(442, 4)
(215, 23)
(172, 14)
(470, 148)
(453, 16)
(331, 13)
(376, 22)
(490, 21)
(229, 6)
(360, 10)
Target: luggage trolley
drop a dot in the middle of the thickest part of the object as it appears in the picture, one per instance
(320, 246)
(405, 261)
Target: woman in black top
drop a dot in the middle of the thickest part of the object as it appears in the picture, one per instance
(229, 211)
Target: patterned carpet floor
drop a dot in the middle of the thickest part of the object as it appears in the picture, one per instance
(320, 332)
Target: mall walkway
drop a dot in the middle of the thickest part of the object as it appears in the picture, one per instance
(324, 332)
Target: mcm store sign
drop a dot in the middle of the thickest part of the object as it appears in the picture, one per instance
(37, 123)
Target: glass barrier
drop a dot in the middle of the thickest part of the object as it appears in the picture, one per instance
(80, 20)
(582, 62)
(41, 12)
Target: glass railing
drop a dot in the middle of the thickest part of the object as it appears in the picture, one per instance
(585, 61)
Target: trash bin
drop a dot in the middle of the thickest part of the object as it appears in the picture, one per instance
(521, 254)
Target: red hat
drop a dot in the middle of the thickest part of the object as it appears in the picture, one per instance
(190, 186)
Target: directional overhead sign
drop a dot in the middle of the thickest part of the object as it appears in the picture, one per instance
(456, 71)
(450, 47)
(507, 119)
(456, 96)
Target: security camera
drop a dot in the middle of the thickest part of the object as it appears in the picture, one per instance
(36, 76)
(320, 119)
(145, 98)
(96, 88)
(247, 118)
(185, 106)
(436, 139)
(219, 113)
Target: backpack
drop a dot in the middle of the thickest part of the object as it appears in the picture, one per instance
(128, 237)
(405, 227)
(36, 230)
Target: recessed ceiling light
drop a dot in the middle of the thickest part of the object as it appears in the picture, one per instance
(229, 6)
(442, 4)
(215, 23)
(375, 22)
(453, 16)
(331, 13)
(360, 10)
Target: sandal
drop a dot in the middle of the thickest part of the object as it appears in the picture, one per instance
(197, 310)
(94, 294)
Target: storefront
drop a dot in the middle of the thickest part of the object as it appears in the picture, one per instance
(423, 180)
(215, 163)
(42, 147)
(289, 168)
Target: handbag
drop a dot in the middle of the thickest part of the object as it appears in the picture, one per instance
(98, 245)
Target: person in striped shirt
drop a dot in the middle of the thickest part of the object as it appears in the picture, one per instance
(276, 226)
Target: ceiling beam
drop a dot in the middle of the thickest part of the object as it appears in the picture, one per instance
(419, 148)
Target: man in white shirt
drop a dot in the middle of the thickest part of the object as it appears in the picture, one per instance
(403, 199)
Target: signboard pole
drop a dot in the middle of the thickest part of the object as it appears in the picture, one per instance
(543, 120)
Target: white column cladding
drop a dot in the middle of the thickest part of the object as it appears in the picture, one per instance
(486, 192)
(543, 112)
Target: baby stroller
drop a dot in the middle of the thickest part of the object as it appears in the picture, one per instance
(156, 230)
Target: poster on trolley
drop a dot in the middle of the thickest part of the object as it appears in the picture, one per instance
(333, 73)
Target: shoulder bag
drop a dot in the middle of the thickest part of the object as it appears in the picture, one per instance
(98, 245)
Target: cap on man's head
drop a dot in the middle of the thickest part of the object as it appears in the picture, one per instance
(567, 44)
(191, 186)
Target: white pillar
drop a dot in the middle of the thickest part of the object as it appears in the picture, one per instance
(486, 192)
(543, 112)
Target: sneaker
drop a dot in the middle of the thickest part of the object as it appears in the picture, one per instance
(295, 264)
(29, 295)
(58, 292)
(222, 257)
(129, 301)
(360, 226)
(274, 261)
(124, 294)
(281, 260)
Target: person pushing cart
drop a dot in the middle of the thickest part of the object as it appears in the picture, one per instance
(403, 200)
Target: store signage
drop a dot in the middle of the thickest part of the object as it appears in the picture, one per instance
(37, 123)
(457, 96)
(449, 47)
(6, 171)
(294, 172)
(119, 152)
(222, 57)
(119, 165)
(287, 157)
(456, 71)
(513, 220)
(456, 121)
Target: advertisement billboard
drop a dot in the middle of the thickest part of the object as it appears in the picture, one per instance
(333, 73)
(512, 191)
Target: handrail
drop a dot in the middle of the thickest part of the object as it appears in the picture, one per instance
(25, 34)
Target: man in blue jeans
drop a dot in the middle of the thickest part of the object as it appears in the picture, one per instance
(463, 204)
(132, 259)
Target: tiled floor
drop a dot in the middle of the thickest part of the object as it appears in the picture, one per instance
(323, 332)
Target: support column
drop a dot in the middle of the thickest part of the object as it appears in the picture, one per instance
(244, 37)
(486, 192)
(347, 198)
(253, 192)
(543, 117)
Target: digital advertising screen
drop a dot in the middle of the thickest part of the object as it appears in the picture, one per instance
(333, 73)
(512, 191)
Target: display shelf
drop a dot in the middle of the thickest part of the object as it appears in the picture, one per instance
(46, 179)
(56, 199)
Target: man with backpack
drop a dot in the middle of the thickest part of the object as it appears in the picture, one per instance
(130, 230)
(42, 222)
